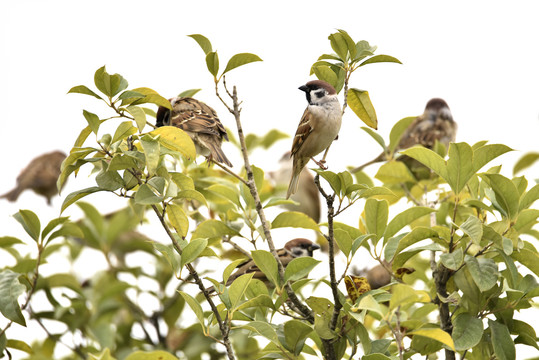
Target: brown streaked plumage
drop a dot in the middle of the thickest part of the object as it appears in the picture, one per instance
(435, 124)
(40, 176)
(319, 126)
(201, 123)
(295, 248)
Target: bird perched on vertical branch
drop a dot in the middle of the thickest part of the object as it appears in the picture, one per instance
(435, 124)
(200, 122)
(294, 248)
(319, 126)
(40, 176)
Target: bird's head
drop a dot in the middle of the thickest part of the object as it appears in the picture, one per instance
(437, 107)
(162, 118)
(301, 247)
(318, 92)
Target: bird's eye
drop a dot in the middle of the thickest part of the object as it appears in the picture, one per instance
(166, 118)
(319, 93)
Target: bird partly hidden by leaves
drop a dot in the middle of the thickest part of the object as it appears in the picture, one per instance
(307, 195)
(319, 126)
(295, 248)
(200, 122)
(40, 176)
(435, 124)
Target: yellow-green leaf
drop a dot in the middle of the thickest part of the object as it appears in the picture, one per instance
(436, 334)
(360, 103)
(176, 140)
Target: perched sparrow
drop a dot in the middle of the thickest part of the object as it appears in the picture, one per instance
(436, 123)
(40, 176)
(295, 248)
(307, 195)
(377, 276)
(319, 126)
(199, 121)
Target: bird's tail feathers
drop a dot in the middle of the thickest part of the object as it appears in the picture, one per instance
(217, 154)
(293, 186)
(13, 195)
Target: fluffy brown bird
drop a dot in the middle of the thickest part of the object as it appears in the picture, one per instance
(295, 248)
(201, 123)
(307, 195)
(435, 124)
(40, 176)
(319, 126)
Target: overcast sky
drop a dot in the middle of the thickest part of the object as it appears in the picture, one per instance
(482, 57)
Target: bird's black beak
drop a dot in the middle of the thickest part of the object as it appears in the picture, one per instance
(315, 247)
(304, 88)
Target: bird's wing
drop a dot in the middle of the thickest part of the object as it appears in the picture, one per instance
(194, 116)
(304, 130)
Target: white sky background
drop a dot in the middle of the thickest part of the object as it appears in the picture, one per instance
(481, 57)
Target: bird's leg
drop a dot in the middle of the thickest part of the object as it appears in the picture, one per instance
(320, 163)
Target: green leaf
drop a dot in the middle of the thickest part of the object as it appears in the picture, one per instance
(529, 198)
(502, 343)
(238, 288)
(339, 45)
(109, 85)
(204, 43)
(360, 103)
(109, 180)
(507, 195)
(175, 139)
(405, 218)
(398, 130)
(377, 137)
(295, 333)
(394, 172)
(486, 153)
(195, 306)
(368, 302)
(332, 178)
(151, 152)
(212, 62)
(19, 345)
(294, 219)
(264, 329)
(30, 223)
(146, 196)
(325, 73)
(528, 258)
(428, 158)
(10, 290)
(8, 241)
(453, 260)
(178, 219)
(473, 227)
(93, 120)
(344, 241)
(436, 334)
(151, 355)
(467, 331)
(124, 130)
(151, 96)
(210, 229)
(81, 89)
(267, 264)
(193, 250)
(376, 214)
(240, 60)
(402, 294)
(262, 300)
(484, 272)
(459, 166)
(139, 115)
(188, 93)
(169, 254)
(299, 268)
(525, 162)
(379, 59)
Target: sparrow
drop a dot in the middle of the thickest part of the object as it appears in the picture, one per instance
(435, 124)
(295, 248)
(319, 126)
(377, 276)
(40, 176)
(307, 195)
(200, 122)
